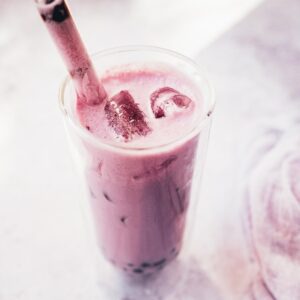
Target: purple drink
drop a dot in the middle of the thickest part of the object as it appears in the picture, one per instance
(139, 152)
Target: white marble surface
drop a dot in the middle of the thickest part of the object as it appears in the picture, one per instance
(43, 250)
(255, 68)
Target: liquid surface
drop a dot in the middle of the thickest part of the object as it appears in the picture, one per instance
(145, 108)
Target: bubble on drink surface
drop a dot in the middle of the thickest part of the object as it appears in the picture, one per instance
(125, 117)
(166, 101)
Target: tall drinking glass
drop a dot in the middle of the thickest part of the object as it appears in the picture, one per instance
(140, 201)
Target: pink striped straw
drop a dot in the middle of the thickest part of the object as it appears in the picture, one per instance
(60, 24)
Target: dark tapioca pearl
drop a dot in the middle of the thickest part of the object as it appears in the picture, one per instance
(159, 263)
(168, 161)
(138, 271)
(88, 128)
(107, 197)
(145, 265)
(123, 219)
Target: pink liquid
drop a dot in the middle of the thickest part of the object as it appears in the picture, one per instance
(139, 201)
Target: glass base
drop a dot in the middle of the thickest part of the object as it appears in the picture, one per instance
(180, 280)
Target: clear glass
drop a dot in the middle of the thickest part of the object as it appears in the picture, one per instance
(141, 224)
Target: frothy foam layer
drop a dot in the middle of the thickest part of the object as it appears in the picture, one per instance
(168, 104)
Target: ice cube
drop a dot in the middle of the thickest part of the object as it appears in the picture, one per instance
(166, 100)
(125, 116)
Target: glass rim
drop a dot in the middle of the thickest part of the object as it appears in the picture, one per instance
(111, 145)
